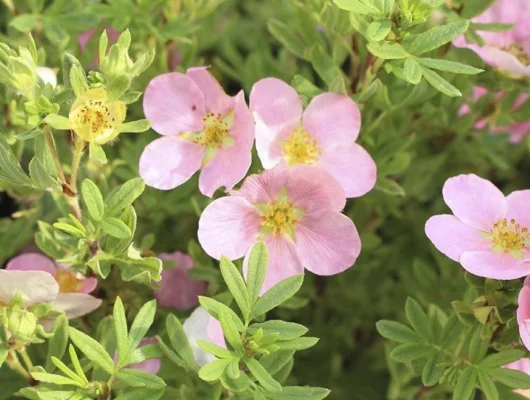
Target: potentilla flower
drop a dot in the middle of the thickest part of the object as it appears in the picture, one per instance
(295, 211)
(508, 51)
(177, 289)
(523, 314)
(323, 135)
(96, 119)
(488, 233)
(202, 128)
(69, 290)
(202, 326)
(522, 365)
(516, 130)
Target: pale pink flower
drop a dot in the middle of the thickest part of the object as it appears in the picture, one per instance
(488, 233)
(295, 211)
(152, 366)
(523, 313)
(202, 326)
(177, 289)
(508, 51)
(522, 365)
(70, 289)
(203, 129)
(323, 135)
(517, 130)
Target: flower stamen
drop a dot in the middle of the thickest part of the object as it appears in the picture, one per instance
(68, 283)
(509, 236)
(300, 148)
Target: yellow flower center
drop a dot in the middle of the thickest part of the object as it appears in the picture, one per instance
(300, 148)
(509, 236)
(279, 216)
(68, 283)
(96, 115)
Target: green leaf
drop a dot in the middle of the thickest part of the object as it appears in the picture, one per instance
(487, 385)
(70, 229)
(261, 374)
(214, 370)
(213, 307)
(120, 330)
(10, 169)
(116, 228)
(302, 343)
(142, 394)
(96, 153)
(141, 324)
(236, 285)
(93, 199)
(440, 83)
(179, 339)
(410, 351)
(57, 121)
(286, 330)
(363, 7)
(123, 196)
(118, 86)
(300, 393)
(40, 176)
(512, 378)
(138, 378)
(24, 22)
(398, 332)
(77, 365)
(432, 372)
(417, 318)
(58, 342)
(449, 66)
(435, 37)
(387, 50)
(412, 71)
(276, 361)
(140, 125)
(68, 372)
(219, 352)
(229, 328)
(378, 29)
(477, 347)
(465, 386)
(55, 379)
(502, 358)
(92, 349)
(287, 37)
(258, 265)
(276, 295)
(325, 65)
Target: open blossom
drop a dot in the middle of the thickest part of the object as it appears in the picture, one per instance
(508, 51)
(488, 233)
(295, 211)
(323, 135)
(517, 130)
(202, 326)
(522, 365)
(177, 289)
(67, 290)
(203, 129)
(523, 313)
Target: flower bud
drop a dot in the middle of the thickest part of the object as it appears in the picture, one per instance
(22, 325)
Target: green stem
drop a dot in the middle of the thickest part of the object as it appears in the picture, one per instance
(14, 364)
(72, 198)
(55, 156)
(27, 360)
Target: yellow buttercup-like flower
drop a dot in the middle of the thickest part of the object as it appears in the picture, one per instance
(95, 119)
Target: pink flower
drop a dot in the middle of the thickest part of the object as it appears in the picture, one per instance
(71, 289)
(296, 211)
(508, 51)
(177, 289)
(152, 366)
(323, 135)
(202, 326)
(523, 313)
(202, 128)
(516, 130)
(488, 233)
(522, 365)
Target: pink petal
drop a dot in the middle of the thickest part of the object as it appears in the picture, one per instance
(32, 262)
(276, 103)
(215, 332)
(231, 164)
(519, 208)
(264, 187)
(351, 165)
(168, 162)
(523, 316)
(35, 287)
(332, 117)
(494, 265)
(229, 226)
(519, 131)
(202, 326)
(177, 289)
(268, 147)
(153, 365)
(75, 305)
(283, 261)
(505, 61)
(89, 284)
(327, 243)
(216, 100)
(474, 201)
(174, 104)
(314, 189)
(523, 365)
(452, 237)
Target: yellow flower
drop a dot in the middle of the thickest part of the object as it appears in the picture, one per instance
(94, 119)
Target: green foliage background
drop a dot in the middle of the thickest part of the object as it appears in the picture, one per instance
(413, 132)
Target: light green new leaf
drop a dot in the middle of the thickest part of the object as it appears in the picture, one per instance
(92, 349)
(69, 373)
(435, 37)
(412, 71)
(378, 29)
(213, 307)
(96, 153)
(24, 22)
(387, 50)
(214, 370)
(116, 228)
(93, 199)
(258, 264)
(440, 83)
(55, 379)
(141, 324)
(236, 285)
(276, 295)
(120, 330)
(138, 126)
(229, 328)
(449, 66)
(286, 330)
(58, 122)
(219, 352)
